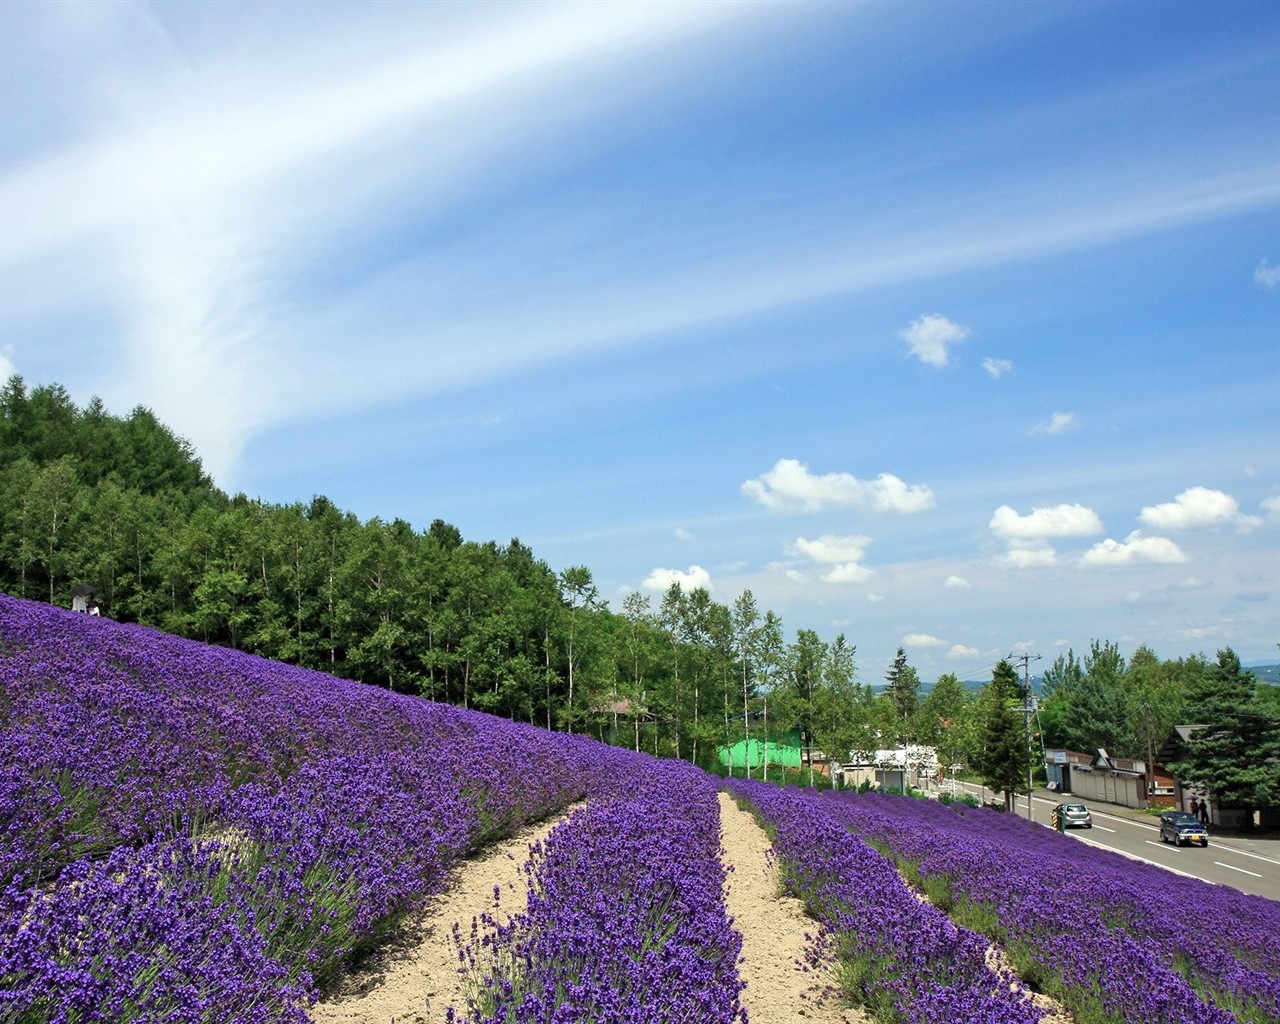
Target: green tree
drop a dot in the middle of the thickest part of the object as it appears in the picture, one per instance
(904, 693)
(1004, 756)
(945, 720)
(1234, 755)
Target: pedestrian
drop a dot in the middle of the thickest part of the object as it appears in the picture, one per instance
(1195, 806)
(1204, 811)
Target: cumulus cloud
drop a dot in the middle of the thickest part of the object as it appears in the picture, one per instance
(789, 486)
(997, 367)
(929, 337)
(1058, 423)
(961, 651)
(7, 369)
(957, 583)
(1266, 275)
(843, 554)
(1050, 521)
(1039, 557)
(660, 580)
(683, 534)
(1197, 508)
(1133, 549)
(922, 640)
(1271, 506)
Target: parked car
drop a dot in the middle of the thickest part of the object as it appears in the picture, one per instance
(1075, 815)
(1180, 827)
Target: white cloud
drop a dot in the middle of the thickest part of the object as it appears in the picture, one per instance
(1266, 275)
(843, 554)
(929, 337)
(7, 369)
(1058, 423)
(874, 598)
(961, 651)
(1135, 548)
(997, 367)
(1271, 506)
(683, 534)
(1197, 508)
(922, 640)
(790, 486)
(1052, 521)
(1029, 558)
(660, 580)
(957, 583)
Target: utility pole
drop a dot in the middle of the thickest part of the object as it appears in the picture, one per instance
(1029, 709)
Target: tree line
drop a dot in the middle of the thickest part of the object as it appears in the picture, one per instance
(123, 504)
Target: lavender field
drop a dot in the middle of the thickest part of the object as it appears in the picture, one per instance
(191, 834)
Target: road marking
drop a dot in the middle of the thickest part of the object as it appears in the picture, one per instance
(1246, 853)
(1103, 828)
(1234, 868)
(1152, 842)
(1144, 860)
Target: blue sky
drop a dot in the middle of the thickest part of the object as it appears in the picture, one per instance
(948, 326)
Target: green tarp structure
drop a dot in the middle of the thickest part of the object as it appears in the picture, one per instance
(751, 753)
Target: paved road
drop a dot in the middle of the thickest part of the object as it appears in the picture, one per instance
(1246, 863)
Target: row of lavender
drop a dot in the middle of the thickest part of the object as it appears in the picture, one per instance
(1116, 941)
(903, 958)
(192, 834)
(625, 921)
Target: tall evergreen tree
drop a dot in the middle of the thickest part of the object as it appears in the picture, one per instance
(903, 691)
(1235, 754)
(1004, 755)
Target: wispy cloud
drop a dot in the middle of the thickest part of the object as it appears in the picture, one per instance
(1266, 275)
(789, 486)
(922, 640)
(1058, 423)
(997, 368)
(957, 583)
(930, 336)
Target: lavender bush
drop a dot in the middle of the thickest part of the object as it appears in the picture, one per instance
(1113, 939)
(194, 834)
(625, 922)
(902, 957)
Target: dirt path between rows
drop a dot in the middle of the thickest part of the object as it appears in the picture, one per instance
(780, 990)
(416, 980)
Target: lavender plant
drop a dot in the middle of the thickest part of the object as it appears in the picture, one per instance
(625, 921)
(1096, 932)
(192, 833)
(898, 955)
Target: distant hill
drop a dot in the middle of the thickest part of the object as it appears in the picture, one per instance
(1266, 673)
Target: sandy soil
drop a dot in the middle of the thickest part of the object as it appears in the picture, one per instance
(780, 989)
(416, 979)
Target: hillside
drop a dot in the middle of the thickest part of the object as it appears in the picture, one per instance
(197, 834)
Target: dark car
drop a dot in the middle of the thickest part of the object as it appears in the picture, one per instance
(1074, 815)
(1180, 827)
